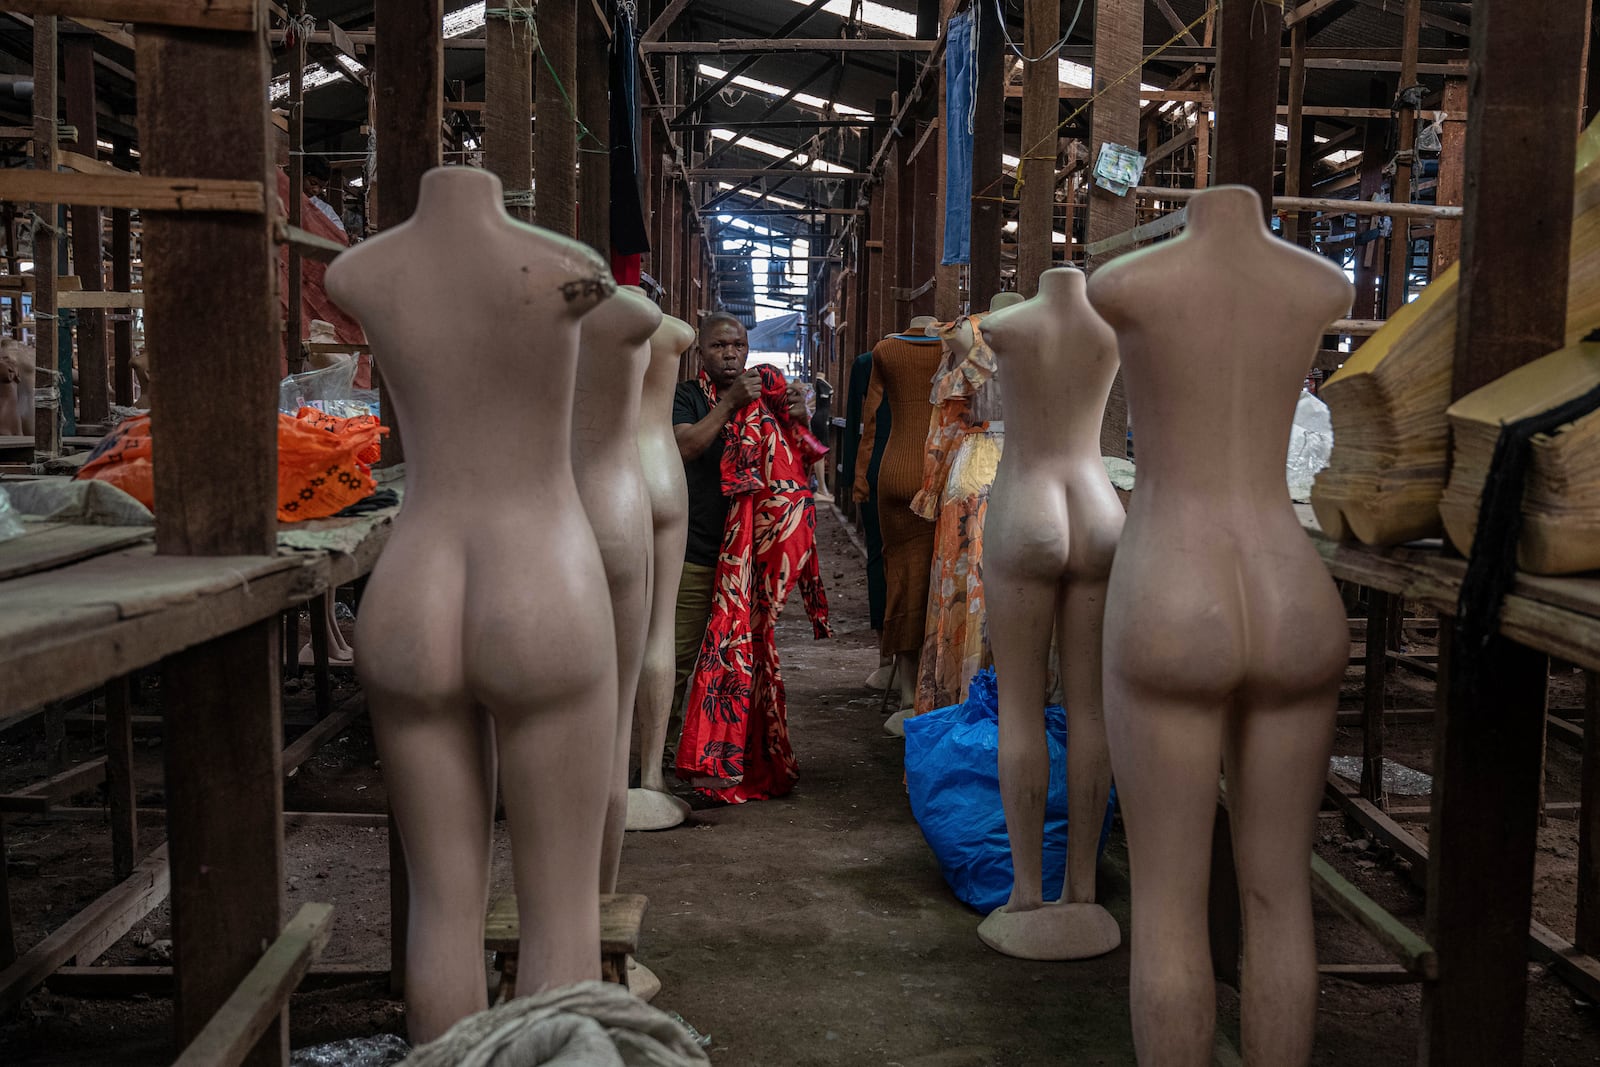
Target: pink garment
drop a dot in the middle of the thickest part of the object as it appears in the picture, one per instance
(314, 300)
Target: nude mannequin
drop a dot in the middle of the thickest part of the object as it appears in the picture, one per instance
(1049, 539)
(651, 807)
(614, 353)
(484, 630)
(1225, 638)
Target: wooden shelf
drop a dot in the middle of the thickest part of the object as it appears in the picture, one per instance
(1559, 616)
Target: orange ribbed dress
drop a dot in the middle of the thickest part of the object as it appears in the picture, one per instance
(901, 371)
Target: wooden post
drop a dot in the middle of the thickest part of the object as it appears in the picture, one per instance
(1396, 277)
(408, 111)
(1041, 105)
(1295, 157)
(122, 282)
(593, 97)
(1368, 301)
(8, 219)
(294, 325)
(1511, 309)
(877, 267)
(988, 173)
(119, 779)
(947, 280)
(1452, 174)
(88, 259)
(555, 141)
(895, 243)
(1247, 95)
(508, 107)
(1118, 48)
(1374, 684)
(224, 737)
(47, 394)
(1588, 933)
(928, 228)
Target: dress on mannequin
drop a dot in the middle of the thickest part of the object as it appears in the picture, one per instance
(1053, 525)
(902, 366)
(613, 356)
(651, 807)
(962, 454)
(459, 660)
(1225, 638)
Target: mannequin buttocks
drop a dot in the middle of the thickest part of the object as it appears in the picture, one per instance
(651, 807)
(460, 658)
(613, 356)
(1225, 638)
(1050, 536)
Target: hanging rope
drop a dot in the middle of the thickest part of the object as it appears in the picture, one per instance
(1033, 152)
(1048, 53)
(515, 11)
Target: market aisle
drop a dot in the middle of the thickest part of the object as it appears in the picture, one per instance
(816, 929)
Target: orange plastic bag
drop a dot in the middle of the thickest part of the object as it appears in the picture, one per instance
(324, 463)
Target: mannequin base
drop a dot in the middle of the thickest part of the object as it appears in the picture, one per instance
(894, 725)
(308, 658)
(651, 809)
(879, 679)
(642, 981)
(1052, 932)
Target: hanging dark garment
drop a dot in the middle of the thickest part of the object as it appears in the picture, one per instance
(630, 236)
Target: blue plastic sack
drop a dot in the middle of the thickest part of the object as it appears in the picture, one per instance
(953, 777)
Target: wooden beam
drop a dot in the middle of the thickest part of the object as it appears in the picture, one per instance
(1040, 113)
(240, 16)
(122, 795)
(663, 22)
(143, 192)
(1587, 938)
(722, 174)
(788, 44)
(1295, 154)
(508, 110)
(127, 897)
(229, 1037)
(1409, 950)
(47, 390)
(122, 281)
(1452, 174)
(1155, 228)
(1305, 10)
(555, 148)
(295, 326)
(99, 300)
(800, 19)
(1511, 309)
(309, 245)
(1396, 282)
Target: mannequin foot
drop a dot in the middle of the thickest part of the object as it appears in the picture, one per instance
(894, 725)
(1051, 932)
(308, 658)
(651, 809)
(642, 981)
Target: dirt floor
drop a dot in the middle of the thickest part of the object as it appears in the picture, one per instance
(813, 930)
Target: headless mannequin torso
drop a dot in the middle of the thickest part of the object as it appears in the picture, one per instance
(1050, 536)
(614, 354)
(651, 807)
(460, 659)
(1225, 638)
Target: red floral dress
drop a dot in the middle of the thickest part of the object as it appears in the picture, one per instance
(735, 744)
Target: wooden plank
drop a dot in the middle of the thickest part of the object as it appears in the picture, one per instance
(100, 300)
(1368, 973)
(141, 191)
(1511, 309)
(229, 1037)
(663, 22)
(107, 911)
(329, 727)
(308, 245)
(1305, 10)
(232, 15)
(1408, 949)
(1347, 797)
(1155, 228)
(86, 775)
(157, 980)
(1578, 969)
(788, 44)
(621, 919)
(46, 546)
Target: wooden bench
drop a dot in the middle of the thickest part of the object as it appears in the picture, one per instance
(621, 916)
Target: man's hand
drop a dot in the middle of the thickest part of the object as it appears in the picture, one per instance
(796, 395)
(745, 388)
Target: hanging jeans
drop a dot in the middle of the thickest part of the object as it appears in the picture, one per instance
(958, 104)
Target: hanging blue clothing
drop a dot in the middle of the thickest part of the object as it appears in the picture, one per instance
(960, 85)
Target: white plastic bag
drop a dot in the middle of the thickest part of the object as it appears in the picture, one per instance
(1310, 445)
(10, 521)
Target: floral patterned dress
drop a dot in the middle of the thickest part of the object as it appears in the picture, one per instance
(963, 454)
(735, 743)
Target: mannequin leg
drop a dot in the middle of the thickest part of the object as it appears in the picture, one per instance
(338, 647)
(1276, 760)
(1167, 753)
(656, 677)
(438, 761)
(1020, 615)
(632, 613)
(1080, 623)
(558, 761)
